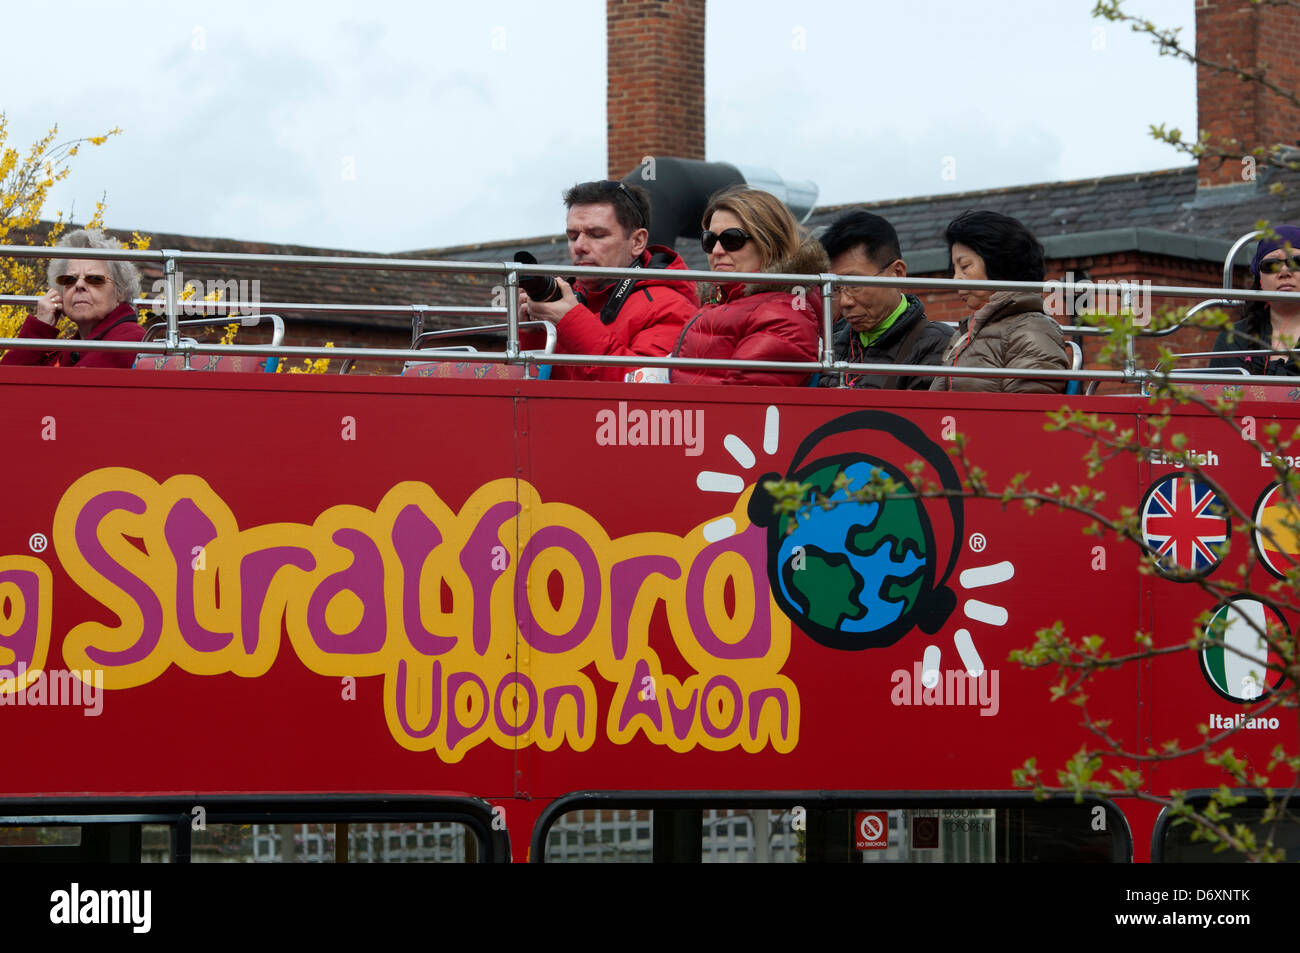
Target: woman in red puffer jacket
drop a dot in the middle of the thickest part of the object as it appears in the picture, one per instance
(747, 230)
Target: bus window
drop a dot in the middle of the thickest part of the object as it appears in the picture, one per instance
(599, 837)
(994, 835)
(1004, 829)
(69, 843)
(40, 835)
(1174, 844)
(234, 829)
(394, 842)
(156, 845)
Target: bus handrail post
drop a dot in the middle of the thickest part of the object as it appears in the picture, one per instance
(169, 270)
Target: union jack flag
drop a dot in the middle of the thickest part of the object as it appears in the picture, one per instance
(1181, 526)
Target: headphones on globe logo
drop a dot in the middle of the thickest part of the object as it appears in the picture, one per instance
(839, 444)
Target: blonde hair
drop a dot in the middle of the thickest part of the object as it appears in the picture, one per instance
(764, 216)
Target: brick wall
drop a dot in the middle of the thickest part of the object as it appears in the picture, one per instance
(655, 93)
(1130, 266)
(1242, 115)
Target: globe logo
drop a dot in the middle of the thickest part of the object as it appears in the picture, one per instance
(855, 575)
(855, 567)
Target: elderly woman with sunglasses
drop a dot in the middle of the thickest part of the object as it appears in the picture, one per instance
(1268, 325)
(96, 295)
(748, 230)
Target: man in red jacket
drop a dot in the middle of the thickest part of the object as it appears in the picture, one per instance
(608, 226)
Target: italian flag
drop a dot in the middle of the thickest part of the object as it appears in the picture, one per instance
(1235, 667)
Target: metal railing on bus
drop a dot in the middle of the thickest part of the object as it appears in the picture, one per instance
(421, 340)
(244, 320)
(1229, 262)
(1200, 373)
(510, 272)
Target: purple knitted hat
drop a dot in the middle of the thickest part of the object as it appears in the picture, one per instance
(1286, 235)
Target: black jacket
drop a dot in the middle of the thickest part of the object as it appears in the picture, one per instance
(1250, 334)
(926, 346)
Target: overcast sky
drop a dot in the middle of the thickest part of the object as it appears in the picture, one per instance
(389, 126)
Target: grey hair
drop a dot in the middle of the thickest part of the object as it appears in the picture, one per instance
(126, 277)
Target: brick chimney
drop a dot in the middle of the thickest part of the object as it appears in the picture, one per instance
(655, 98)
(1241, 34)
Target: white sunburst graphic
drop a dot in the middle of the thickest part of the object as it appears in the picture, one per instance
(713, 481)
(977, 610)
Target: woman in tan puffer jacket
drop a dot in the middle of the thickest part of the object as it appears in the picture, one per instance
(1005, 328)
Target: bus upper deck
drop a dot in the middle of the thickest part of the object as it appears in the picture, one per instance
(253, 616)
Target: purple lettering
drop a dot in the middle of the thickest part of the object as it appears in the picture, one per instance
(752, 545)
(414, 537)
(23, 641)
(365, 577)
(476, 559)
(756, 701)
(435, 707)
(256, 572)
(458, 731)
(186, 528)
(634, 704)
(681, 717)
(87, 538)
(551, 699)
(720, 681)
(625, 582)
(498, 709)
(533, 632)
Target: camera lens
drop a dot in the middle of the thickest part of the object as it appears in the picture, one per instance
(537, 287)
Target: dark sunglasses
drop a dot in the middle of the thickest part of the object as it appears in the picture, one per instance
(95, 281)
(732, 239)
(611, 186)
(1271, 266)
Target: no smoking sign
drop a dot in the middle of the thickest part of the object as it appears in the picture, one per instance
(871, 829)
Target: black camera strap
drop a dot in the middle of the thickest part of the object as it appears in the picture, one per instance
(615, 303)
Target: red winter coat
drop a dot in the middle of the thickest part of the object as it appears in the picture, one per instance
(649, 322)
(758, 323)
(33, 327)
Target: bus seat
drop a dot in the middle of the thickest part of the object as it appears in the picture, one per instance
(1075, 353)
(479, 370)
(533, 336)
(212, 362)
(206, 362)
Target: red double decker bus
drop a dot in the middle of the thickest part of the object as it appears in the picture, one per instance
(465, 614)
(260, 617)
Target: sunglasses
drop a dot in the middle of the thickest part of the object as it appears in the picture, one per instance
(95, 281)
(611, 186)
(732, 239)
(1271, 266)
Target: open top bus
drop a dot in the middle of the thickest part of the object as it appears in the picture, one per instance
(483, 617)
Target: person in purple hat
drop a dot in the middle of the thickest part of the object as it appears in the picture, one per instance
(1268, 325)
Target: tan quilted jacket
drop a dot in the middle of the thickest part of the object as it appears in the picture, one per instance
(1010, 331)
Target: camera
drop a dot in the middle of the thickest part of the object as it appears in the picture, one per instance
(537, 287)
